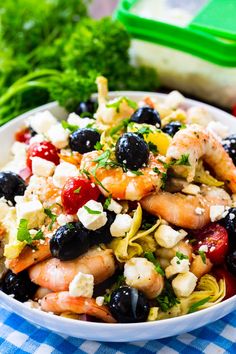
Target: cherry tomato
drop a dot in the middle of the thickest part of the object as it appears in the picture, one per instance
(230, 281)
(45, 150)
(23, 135)
(76, 192)
(234, 110)
(215, 237)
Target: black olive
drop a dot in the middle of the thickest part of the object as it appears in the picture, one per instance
(229, 145)
(172, 128)
(70, 241)
(83, 140)
(86, 107)
(19, 285)
(231, 262)
(229, 223)
(128, 305)
(132, 151)
(11, 185)
(103, 235)
(146, 115)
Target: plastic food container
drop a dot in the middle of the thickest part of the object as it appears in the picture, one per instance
(191, 44)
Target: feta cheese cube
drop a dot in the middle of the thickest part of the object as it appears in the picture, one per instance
(64, 171)
(32, 211)
(41, 122)
(92, 216)
(167, 237)
(58, 136)
(203, 248)
(74, 119)
(82, 285)
(121, 225)
(63, 219)
(100, 300)
(42, 167)
(184, 284)
(177, 266)
(192, 189)
(174, 99)
(217, 212)
(38, 138)
(114, 206)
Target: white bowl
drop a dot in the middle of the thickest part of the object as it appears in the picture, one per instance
(103, 331)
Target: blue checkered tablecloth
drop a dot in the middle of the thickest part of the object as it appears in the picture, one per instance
(19, 336)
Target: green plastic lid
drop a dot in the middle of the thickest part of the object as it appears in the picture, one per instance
(211, 35)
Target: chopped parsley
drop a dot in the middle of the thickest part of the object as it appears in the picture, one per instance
(181, 256)
(70, 127)
(107, 202)
(194, 307)
(91, 211)
(163, 180)
(137, 173)
(120, 281)
(118, 102)
(23, 233)
(77, 191)
(167, 299)
(183, 160)
(52, 216)
(203, 256)
(152, 147)
(151, 258)
(144, 131)
(156, 170)
(98, 146)
(86, 173)
(70, 226)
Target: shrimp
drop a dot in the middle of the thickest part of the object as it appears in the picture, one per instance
(60, 302)
(142, 275)
(56, 275)
(198, 143)
(169, 253)
(123, 185)
(199, 268)
(106, 116)
(187, 211)
(29, 256)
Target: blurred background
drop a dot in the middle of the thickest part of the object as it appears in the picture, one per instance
(101, 8)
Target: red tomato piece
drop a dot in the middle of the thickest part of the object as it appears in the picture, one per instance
(23, 136)
(215, 237)
(234, 110)
(230, 281)
(76, 192)
(45, 150)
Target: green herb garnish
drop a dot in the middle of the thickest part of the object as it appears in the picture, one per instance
(194, 307)
(77, 191)
(52, 216)
(70, 127)
(120, 126)
(144, 131)
(91, 211)
(183, 160)
(150, 256)
(118, 102)
(152, 147)
(107, 202)
(181, 256)
(167, 299)
(137, 173)
(23, 233)
(203, 256)
(98, 146)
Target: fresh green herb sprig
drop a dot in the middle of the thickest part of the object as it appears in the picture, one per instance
(23, 233)
(150, 256)
(52, 216)
(116, 104)
(194, 307)
(70, 127)
(120, 281)
(167, 299)
(91, 211)
(203, 256)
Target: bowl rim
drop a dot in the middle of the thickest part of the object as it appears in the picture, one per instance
(97, 325)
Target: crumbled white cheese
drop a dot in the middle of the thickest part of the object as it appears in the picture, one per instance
(63, 219)
(217, 212)
(174, 99)
(100, 300)
(38, 138)
(184, 284)
(62, 172)
(192, 189)
(75, 119)
(203, 248)
(167, 237)
(82, 285)
(177, 266)
(114, 206)
(32, 211)
(92, 216)
(199, 211)
(42, 167)
(41, 122)
(121, 225)
(58, 136)
(219, 130)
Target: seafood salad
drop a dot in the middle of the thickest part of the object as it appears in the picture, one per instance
(123, 212)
